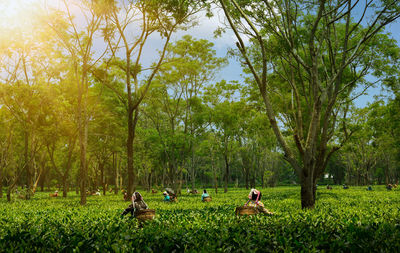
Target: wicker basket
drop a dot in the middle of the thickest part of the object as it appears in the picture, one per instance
(146, 214)
(246, 210)
(207, 199)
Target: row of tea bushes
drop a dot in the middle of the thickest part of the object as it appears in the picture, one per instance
(343, 220)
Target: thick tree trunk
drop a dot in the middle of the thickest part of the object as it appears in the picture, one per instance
(307, 191)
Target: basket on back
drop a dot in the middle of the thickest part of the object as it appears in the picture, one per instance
(207, 199)
(246, 210)
(146, 214)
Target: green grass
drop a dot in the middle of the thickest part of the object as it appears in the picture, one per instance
(343, 220)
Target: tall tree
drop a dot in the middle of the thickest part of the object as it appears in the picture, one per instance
(78, 41)
(190, 65)
(155, 17)
(310, 55)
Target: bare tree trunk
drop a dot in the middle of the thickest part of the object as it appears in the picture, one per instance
(193, 176)
(214, 173)
(226, 173)
(83, 162)
(179, 184)
(132, 121)
(103, 181)
(8, 195)
(150, 180)
(247, 171)
(116, 168)
(27, 165)
(163, 176)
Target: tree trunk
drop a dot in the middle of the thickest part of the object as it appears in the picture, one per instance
(102, 179)
(247, 171)
(116, 167)
(262, 179)
(193, 176)
(1, 183)
(27, 166)
(226, 173)
(150, 180)
(83, 163)
(132, 120)
(214, 175)
(386, 173)
(179, 189)
(83, 131)
(307, 191)
(65, 186)
(42, 181)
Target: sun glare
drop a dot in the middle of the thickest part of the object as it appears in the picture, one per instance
(17, 14)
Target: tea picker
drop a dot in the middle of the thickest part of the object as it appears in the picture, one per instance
(205, 197)
(169, 195)
(253, 205)
(139, 208)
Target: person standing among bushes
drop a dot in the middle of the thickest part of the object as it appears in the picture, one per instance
(137, 204)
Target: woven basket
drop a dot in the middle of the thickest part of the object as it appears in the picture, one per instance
(246, 210)
(207, 199)
(146, 214)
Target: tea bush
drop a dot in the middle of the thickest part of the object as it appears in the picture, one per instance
(344, 220)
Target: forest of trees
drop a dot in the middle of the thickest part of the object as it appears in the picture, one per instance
(81, 107)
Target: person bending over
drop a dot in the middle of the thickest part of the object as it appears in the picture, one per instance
(254, 201)
(204, 195)
(137, 205)
(167, 198)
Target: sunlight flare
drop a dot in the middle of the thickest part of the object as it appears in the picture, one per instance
(18, 14)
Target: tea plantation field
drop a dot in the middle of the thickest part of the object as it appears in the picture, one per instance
(353, 220)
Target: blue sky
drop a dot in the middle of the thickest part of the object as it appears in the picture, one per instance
(205, 30)
(233, 71)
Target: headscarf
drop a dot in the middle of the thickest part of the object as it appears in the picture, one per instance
(254, 191)
(134, 197)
